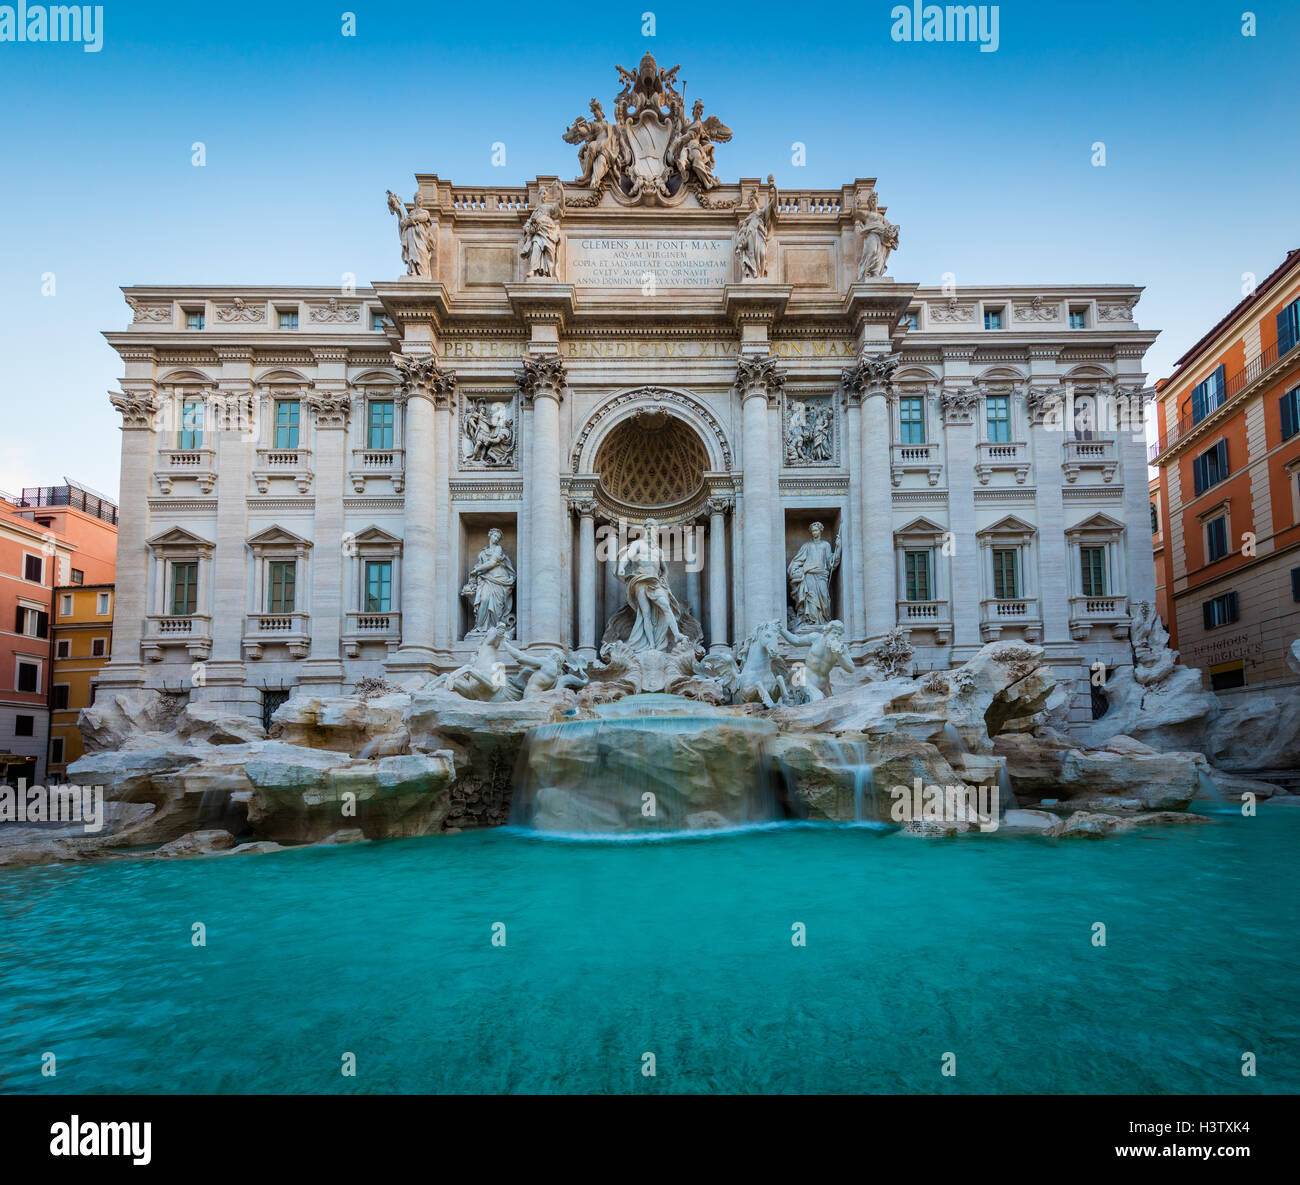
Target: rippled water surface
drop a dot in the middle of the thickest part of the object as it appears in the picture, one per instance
(680, 948)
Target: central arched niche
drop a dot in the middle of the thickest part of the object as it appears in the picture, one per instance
(653, 464)
(652, 461)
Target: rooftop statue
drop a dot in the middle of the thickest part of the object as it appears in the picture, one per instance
(414, 226)
(879, 238)
(651, 150)
(542, 233)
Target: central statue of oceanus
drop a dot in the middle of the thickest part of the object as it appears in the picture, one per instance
(652, 619)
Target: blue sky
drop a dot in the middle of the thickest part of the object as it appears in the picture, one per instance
(984, 159)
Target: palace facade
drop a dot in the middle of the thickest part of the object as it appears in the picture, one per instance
(310, 476)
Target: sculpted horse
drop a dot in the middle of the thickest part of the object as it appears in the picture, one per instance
(762, 669)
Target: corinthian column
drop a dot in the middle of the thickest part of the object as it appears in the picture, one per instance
(332, 407)
(424, 385)
(541, 382)
(869, 381)
(718, 507)
(586, 511)
(759, 381)
(139, 407)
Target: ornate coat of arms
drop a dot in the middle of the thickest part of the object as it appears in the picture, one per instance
(652, 149)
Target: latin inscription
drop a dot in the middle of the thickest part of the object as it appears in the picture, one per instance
(649, 264)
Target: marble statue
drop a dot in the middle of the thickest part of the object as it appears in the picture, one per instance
(603, 152)
(1153, 660)
(546, 670)
(414, 227)
(691, 148)
(489, 433)
(490, 587)
(755, 227)
(879, 238)
(762, 669)
(810, 575)
(808, 432)
(484, 676)
(650, 150)
(542, 233)
(655, 611)
(826, 651)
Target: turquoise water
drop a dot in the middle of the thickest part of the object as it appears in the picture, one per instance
(681, 948)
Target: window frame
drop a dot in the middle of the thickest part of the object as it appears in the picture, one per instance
(1014, 554)
(290, 430)
(385, 586)
(1003, 419)
(1088, 571)
(192, 588)
(278, 588)
(386, 428)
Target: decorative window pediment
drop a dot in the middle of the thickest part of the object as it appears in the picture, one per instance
(1007, 532)
(1099, 526)
(277, 536)
(178, 538)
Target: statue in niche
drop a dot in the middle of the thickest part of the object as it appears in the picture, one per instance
(810, 575)
(879, 238)
(755, 227)
(542, 233)
(414, 228)
(691, 148)
(826, 651)
(489, 432)
(490, 587)
(649, 620)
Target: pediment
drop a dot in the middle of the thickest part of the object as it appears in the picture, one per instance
(922, 526)
(376, 535)
(278, 536)
(1011, 525)
(1101, 523)
(179, 537)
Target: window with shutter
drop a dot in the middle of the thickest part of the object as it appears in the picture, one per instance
(1290, 408)
(1295, 584)
(1092, 563)
(1216, 539)
(1288, 328)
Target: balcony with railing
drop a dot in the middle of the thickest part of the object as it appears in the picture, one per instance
(362, 627)
(70, 496)
(1020, 613)
(196, 464)
(368, 463)
(294, 464)
(926, 615)
(1079, 455)
(994, 456)
(915, 458)
(291, 630)
(190, 631)
(1233, 386)
(1107, 612)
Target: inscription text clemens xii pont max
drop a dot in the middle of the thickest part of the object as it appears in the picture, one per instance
(636, 263)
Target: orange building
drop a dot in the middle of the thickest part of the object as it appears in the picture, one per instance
(1228, 494)
(83, 642)
(53, 539)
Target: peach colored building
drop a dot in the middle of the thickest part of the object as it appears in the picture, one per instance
(50, 536)
(1228, 494)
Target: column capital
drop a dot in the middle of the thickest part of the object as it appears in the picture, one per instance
(422, 377)
(958, 405)
(759, 375)
(542, 377)
(871, 374)
(137, 405)
(720, 503)
(583, 507)
(332, 407)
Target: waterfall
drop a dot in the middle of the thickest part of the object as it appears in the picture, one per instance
(647, 764)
